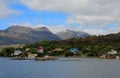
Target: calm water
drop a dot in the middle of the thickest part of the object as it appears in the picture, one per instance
(61, 68)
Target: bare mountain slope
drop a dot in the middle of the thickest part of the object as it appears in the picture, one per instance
(21, 35)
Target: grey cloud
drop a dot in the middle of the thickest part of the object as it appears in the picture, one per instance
(84, 12)
(5, 9)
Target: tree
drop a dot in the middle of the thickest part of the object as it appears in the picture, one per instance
(8, 51)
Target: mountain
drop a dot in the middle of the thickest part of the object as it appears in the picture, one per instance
(22, 35)
(66, 34)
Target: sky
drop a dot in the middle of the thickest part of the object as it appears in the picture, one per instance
(96, 17)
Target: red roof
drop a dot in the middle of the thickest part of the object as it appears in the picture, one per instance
(40, 47)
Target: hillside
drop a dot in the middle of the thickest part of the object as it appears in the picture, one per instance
(89, 46)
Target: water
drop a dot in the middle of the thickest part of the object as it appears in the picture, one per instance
(61, 68)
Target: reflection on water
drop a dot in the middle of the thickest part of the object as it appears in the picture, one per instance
(61, 68)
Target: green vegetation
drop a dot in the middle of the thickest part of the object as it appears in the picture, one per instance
(92, 46)
(7, 51)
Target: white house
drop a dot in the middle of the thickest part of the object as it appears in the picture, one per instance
(112, 52)
(17, 52)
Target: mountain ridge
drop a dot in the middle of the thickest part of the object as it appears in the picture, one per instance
(17, 34)
(66, 34)
(22, 35)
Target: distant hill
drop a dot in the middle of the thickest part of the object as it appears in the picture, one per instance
(21, 35)
(66, 34)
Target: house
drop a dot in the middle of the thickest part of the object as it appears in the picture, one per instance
(31, 55)
(57, 49)
(17, 52)
(74, 50)
(40, 49)
(112, 52)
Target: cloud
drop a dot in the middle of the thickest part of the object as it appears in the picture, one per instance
(92, 16)
(82, 11)
(5, 9)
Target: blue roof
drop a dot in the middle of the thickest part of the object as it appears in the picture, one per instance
(73, 49)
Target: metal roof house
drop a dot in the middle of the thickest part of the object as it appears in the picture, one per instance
(74, 50)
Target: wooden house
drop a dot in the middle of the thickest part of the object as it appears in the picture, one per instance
(31, 55)
(57, 49)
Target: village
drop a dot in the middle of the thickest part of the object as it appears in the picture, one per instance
(40, 54)
(28, 55)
